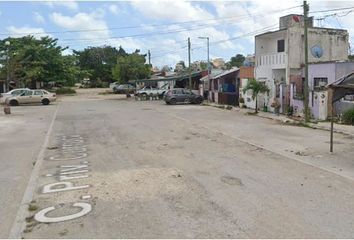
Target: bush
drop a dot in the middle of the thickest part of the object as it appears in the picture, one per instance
(348, 116)
(242, 100)
(65, 90)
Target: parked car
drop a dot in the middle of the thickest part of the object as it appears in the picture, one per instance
(32, 96)
(14, 92)
(124, 88)
(181, 95)
(151, 91)
(113, 85)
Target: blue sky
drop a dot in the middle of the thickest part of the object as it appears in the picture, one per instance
(159, 26)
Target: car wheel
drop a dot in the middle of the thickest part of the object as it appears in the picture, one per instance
(45, 101)
(13, 103)
(173, 101)
(143, 96)
(198, 101)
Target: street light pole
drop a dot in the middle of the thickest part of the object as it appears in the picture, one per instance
(7, 43)
(207, 38)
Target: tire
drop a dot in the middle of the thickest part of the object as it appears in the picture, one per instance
(173, 101)
(13, 103)
(143, 96)
(45, 101)
(198, 101)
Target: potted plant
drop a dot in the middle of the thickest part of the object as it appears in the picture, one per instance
(290, 111)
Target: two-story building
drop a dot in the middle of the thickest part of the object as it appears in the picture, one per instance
(280, 56)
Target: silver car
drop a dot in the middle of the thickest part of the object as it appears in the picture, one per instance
(32, 96)
(14, 92)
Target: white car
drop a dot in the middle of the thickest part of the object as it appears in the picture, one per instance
(151, 91)
(32, 96)
(113, 85)
(11, 93)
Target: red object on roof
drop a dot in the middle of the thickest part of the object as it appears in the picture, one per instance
(296, 18)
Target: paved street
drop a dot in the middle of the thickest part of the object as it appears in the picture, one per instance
(122, 168)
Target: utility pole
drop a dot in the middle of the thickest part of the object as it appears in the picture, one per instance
(7, 83)
(306, 83)
(189, 63)
(149, 56)
(208, 55)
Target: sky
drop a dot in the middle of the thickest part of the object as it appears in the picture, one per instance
(162, 27)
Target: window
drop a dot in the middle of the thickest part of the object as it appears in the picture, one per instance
(319, 83)
(26, 93)
(38, 92)
(281, 45)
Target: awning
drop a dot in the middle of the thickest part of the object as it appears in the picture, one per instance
(342, 87)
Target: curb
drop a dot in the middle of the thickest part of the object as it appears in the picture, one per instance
(288, 120)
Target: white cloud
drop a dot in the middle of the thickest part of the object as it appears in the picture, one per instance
(24, 31)
(171, 10)
(38, 18)
(83, 21)
(72, 5)
(128, 44)
(113, 9)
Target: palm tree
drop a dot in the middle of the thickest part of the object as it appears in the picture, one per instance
(256, 87)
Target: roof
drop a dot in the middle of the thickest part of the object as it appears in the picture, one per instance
(342, 87)
(309, 28)
(166, 79)
(217, 73)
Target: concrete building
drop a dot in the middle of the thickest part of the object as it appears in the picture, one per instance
(246, 73)
(280, 55)
(321, 74)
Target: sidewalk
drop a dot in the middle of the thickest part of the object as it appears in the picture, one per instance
(338, 128)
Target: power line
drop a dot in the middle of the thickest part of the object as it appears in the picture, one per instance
(141, 25)
(90, 40)
(223, 40)
(332, 10)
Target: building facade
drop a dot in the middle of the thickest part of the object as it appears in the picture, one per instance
(320, 75)
(280, 56)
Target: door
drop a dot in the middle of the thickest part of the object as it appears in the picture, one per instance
(37, 96)
(25, 97)
(179, 95)
(187, 95)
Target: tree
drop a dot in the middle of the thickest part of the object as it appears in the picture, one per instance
(180, 66)
(131, 67)
(236, 61)
(99, 61)
(256, 87)
(32, 60)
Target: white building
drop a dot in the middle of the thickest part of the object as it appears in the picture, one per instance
(280, 55)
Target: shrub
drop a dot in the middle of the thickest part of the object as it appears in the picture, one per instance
(348, 116)
(242, 100)
(65, 90)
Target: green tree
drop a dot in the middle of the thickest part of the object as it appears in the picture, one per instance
(236, 61)
(256, 87)
(131, 67)
(32, 60)
(99, 61)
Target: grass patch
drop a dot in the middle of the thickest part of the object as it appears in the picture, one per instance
(348, 116)
(65, 90)
(32, 207)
